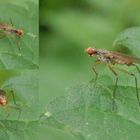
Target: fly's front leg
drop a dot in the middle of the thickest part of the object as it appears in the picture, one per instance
(116, 82)
(94, 69)
(15, 39)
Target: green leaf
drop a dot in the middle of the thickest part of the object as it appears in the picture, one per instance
(3, 135)
(26, 19)
(86, 112)
(22, 130)
(24, 85)
(22, 3)
(9, 61)
(130, 38)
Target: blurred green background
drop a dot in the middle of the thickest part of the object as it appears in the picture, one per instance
(67, 27)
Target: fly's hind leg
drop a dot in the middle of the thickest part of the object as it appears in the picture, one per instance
(136, 82)
(137, 68)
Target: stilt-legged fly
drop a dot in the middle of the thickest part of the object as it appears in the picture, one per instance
(6, 29)
(111, 58)
(4, 102)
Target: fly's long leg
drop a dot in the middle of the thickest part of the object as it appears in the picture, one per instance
(137, 68)
(94, 69)
(116, 82)
(137, 94)
(16, 106)
(136, 83)
(13, 96)
(17, 43)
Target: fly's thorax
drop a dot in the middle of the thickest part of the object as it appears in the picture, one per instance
(102, 58)
(101, 55)
(17, 32)
(13, 30)
(102, 51)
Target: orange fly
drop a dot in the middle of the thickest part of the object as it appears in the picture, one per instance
(6, 29)
(111, 58)
(4, 101)
(10, 29)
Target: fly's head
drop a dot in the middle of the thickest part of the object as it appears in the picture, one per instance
(19, 32)
(3, 98)
(91, 51)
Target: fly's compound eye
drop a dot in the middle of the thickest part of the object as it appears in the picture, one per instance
(3, 101)
(20, 32)
(90, 51)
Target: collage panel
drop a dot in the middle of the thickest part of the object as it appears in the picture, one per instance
(19, 104)
(90, 69)
(19, 34)
(19, 62)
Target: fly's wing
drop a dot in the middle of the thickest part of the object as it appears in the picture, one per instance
(4, 30)
(121, 58)
(3, 26)
(136, 60)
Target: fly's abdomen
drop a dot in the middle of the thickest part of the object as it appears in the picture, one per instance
(124, 61)
(136, 60)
